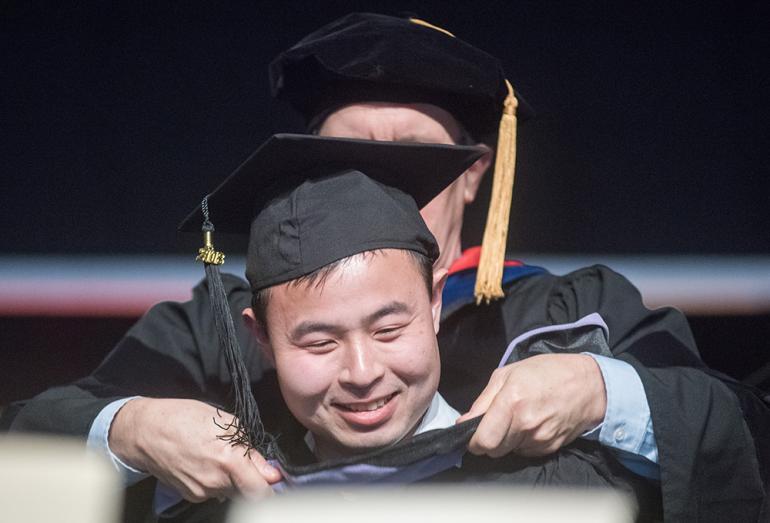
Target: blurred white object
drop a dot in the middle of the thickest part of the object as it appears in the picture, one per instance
(128, 285)
(44, 480)
(459, 503)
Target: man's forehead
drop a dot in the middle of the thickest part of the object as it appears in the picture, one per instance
(390, 121)
(373, 278)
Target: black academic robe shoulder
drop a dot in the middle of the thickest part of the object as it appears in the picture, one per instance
(171, 352)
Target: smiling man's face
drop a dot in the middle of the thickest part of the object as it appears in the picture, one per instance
(356, 354)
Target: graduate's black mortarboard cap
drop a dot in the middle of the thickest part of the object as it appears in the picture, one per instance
(307, 201)
(368, 57)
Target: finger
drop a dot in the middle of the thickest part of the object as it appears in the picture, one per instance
(484, 400)
(495, 435)
(545, 438)
(198, 491)
(248, 481)
(270, 473)
(511, 442)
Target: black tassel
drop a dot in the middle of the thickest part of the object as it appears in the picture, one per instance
(246, 429)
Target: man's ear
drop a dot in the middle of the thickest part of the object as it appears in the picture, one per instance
(474, 174)
(259, 332)
(439, 280)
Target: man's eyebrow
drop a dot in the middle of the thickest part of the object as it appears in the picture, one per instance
(394, 307)
(309, 327)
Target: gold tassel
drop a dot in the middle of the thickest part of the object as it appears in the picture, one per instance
(423, 23)
(489, 276)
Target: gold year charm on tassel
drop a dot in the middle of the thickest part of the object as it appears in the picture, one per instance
(207, 254)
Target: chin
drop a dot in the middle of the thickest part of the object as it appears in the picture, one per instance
(359, 443)
(362, 443)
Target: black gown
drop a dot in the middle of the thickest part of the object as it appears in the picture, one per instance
(713, 434)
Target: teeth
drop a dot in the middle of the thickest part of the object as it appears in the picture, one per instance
(374, 405)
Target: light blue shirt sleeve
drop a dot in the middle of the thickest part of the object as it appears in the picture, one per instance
(98, 439)
(627, 426)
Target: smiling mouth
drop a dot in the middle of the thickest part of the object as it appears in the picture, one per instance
(366, 407)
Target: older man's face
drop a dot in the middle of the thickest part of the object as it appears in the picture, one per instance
(356, 355)
(416, 123)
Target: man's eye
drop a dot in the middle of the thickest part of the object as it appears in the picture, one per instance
(320, 345)
(388, 333)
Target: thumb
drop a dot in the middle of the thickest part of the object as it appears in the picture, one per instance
(269, 473)
(483, 402)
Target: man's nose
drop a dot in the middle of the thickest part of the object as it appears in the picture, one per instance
(362, 367)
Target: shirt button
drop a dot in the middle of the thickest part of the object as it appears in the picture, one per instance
(619, 435)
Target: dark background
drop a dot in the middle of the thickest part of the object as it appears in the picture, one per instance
(651, 135)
